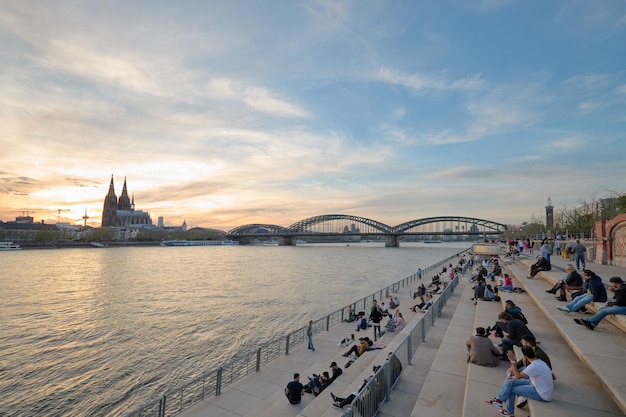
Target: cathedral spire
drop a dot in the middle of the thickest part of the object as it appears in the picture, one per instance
(110, 206)
(124, 201)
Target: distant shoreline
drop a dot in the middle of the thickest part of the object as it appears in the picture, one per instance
(86, 245)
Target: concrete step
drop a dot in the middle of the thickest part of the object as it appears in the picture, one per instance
(443, 391)
(404, 396)
(588, 365)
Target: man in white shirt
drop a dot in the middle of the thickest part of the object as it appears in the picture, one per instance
(534, 382)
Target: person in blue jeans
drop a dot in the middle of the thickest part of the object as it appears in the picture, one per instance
(309, 335)
(612, 307)
(579, 254)
(596, 293)
(534, 382)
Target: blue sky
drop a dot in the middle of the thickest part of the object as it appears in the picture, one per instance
(226, 113)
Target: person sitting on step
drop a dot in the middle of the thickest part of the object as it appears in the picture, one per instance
(612, 307)
(596, 293)
(542, 264)
(534, 382)
(570, 282)
(480, 350)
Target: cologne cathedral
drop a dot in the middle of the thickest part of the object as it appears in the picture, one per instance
(122, 213)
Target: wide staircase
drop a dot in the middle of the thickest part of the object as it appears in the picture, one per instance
(438, 382)
(589, 365)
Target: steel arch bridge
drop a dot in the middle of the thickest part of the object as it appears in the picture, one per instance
(343, 225)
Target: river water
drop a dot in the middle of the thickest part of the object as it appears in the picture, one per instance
(95, 332)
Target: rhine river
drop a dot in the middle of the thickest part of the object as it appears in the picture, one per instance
(100, 332)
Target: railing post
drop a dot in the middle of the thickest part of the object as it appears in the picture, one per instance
(258, 359)
(162, 407)
(218, 381)
(409, 348)
(287, 345)
(327, 322)
(423, 329)
(342, 317)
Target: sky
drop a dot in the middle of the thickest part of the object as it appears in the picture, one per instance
(226, 113)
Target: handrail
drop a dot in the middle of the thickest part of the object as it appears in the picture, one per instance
(213, 381)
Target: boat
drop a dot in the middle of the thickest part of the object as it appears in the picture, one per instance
(98, 245)
(433, 241)
(199, 243)
(9, 246)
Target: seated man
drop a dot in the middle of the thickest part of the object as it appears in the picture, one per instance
(613, 307)
(534, 382)
(391, 324)
(480, 350)
(294, 390)
(570, 282)
(515, 330)
(542, 264)
(479, 291)
(596, 293)
(362, 322)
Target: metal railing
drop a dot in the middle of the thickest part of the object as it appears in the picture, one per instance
(212, 382)
(376, 392)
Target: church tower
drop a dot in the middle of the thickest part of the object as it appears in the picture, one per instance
(109, 212)
(124, 202)
(549, 216)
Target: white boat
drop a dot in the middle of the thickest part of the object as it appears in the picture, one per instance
(97, 245)
(9, 246)
(199, 243)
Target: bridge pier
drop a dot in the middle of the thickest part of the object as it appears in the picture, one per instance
(392, 241)
(287, 241)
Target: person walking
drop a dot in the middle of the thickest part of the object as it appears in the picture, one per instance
(309, 335)
(579, 254)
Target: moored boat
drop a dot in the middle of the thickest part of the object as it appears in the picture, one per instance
(9, 246)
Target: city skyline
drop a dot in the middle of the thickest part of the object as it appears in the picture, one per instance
(224, 114)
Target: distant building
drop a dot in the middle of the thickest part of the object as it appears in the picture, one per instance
(119, 213)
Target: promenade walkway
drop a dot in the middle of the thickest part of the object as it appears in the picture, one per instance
(439, 382)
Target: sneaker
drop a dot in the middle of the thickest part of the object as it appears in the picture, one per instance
(585, 323)
(333, 396)
(563, 308)
(521, 402)
(494, 403)
(505, 413)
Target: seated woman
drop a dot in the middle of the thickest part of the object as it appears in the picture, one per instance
(421, 290)
(391, 324)
(507, 284)
(400, 323)
(351, 315)
(419, 306)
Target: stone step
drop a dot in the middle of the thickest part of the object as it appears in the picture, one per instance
(443, 390)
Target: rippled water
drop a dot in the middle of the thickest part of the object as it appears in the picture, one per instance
(94, 332)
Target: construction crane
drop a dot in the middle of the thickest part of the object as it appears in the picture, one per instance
(85, 217)
(59, 214)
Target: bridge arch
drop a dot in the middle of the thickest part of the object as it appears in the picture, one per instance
(304, 226)
(257, 229)
(470, 225)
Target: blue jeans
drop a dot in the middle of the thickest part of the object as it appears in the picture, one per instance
(507, 344)
(580, 259)
(310, 336)
(579, 302)
(605, 311)
(515, 387)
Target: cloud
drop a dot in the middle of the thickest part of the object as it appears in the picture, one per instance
(261, 99)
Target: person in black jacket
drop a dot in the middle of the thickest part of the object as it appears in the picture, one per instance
(596, 293)
(613, 307)
(376, 315)
(515, 330)
(541, 265)
(572, 281)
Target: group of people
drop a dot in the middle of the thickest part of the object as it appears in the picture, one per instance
(529, 377)
(295, 389)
